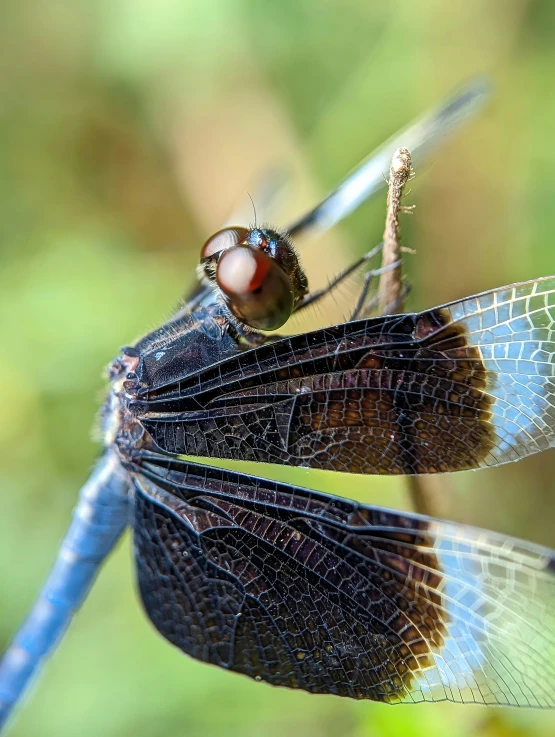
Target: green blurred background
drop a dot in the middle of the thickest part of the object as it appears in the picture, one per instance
(130, 129)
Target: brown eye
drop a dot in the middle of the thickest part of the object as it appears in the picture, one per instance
(257, 289)
(222, 240)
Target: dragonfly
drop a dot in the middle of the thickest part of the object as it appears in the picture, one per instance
(289, 585)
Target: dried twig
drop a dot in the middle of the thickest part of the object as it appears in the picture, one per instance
(390, 291)
(427, 494)
(391, 296)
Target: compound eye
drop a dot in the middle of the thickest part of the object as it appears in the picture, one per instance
(222, 240)
(257, 290)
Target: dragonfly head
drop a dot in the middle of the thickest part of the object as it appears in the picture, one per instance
(257, 273)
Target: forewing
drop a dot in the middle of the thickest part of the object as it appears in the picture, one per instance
(461, 386)
(310, 591)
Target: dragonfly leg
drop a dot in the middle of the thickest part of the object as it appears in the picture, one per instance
(364, 307)
(313, 297)
(367, 305)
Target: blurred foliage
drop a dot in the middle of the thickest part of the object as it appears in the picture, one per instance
(129, 131)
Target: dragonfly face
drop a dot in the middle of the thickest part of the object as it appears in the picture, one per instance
(306, 590)
(257, 275)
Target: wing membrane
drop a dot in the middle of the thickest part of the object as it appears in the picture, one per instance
(310, 591)
(461, 386)
(420, 137)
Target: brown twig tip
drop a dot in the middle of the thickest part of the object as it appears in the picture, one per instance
(390, 292)
(401, 163)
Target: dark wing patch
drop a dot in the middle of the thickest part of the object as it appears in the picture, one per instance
(466, 385)
(310, 591)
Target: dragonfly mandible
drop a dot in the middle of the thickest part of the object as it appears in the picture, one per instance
(296, 587)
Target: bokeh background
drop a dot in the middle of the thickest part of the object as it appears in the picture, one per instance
(130, 129)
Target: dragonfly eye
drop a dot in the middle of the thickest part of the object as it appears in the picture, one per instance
(222, 240)
(257, 290)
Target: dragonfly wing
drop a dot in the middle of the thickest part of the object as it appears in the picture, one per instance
(310, 591)
(420, 137)
(465, 385)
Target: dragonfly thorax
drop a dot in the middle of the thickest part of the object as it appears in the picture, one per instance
(115, 418)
